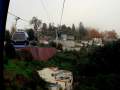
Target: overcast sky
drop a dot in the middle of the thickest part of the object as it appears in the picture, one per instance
(101, 14)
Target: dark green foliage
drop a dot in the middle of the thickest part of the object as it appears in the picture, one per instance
(53, 44)
(36, 22)
(107, 82)
(102, 67)
(50, 27)
(22, 75)
(25, 55)
(107, 58)
(59, 46)
(9, 50)
(31, 34)
(82, 31)
(44, 27)
(93, 68)
(73, 28)
(7, 36)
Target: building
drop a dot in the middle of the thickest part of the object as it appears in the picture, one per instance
(67, 37)
(40, 53)
(60, 79)
(97, 41)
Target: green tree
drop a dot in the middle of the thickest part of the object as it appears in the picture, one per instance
(7, 36)
(63, 27)
(50, 27)
(31, 34)
(36, 23)
(37, 26)
(82, 31)
(73, 27)
(69, 28)
(44, 27)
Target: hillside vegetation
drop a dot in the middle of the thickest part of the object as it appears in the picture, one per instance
(93, 68)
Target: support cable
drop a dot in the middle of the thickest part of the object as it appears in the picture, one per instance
(18, 17)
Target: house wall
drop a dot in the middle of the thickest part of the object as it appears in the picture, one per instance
(68, 43)
(46, 74)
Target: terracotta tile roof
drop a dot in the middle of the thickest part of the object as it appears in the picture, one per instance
(42, 54)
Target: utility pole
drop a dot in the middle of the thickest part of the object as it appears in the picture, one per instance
(59, 27)
(14, 26)
(16, 19)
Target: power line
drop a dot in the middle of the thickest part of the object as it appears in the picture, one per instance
(50, 16)
(17, 17)
(60, 21)
(45, 9)
(62, 12)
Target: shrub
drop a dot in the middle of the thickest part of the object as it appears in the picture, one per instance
(25, 55)
(10, 50)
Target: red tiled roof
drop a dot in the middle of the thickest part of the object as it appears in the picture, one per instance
(42, 54)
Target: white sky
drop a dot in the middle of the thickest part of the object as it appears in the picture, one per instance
(101, 14)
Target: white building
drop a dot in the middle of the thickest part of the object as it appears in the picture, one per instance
(97, 41)
(61, 78)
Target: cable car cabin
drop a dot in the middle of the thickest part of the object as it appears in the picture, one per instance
(20, 39)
